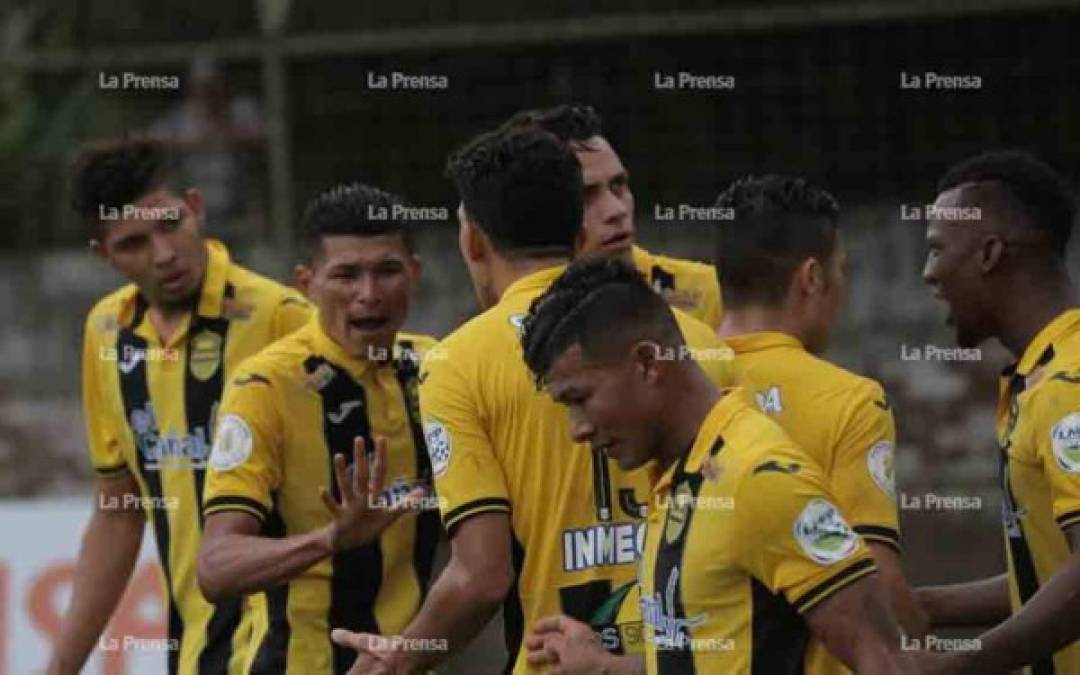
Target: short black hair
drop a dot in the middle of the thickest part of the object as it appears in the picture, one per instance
(523, 188)
(776, 222)
(602, 304)
(353, 209)
(571, 123)
(1043, 195)
(116, 172)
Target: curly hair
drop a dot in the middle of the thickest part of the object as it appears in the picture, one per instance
(353, 209)
(113, 173)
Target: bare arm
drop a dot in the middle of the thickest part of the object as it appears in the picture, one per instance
(234, 559)
(976, 603)
(461, 601)
(914, 620)
(858, 628)
(110, 549)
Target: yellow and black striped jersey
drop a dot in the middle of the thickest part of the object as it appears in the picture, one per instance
(840, 419)
(150, 409)
(743, 538)
(687, 284)
(284, 414)
(499, 444)
(1038, 428)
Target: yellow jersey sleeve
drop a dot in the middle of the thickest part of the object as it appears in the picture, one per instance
(103, 434)
(245, 462)
(292, 312)
(1057, 428)
(468, 477)
(863, 477)
(793, 539)
(714, 356)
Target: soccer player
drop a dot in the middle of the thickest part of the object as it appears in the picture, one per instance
(305, 409)
(608, 228)
(533, 519)
(155, 355)
(781, 262)
(746, 553)
(997, 236)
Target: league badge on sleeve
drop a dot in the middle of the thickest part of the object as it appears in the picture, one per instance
(438, 445)
(1065, 440)
(823, 534)
(232, 444)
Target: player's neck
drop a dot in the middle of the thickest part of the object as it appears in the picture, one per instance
(1029, 306)
(505, 271)
(759, 319)
(689, 407)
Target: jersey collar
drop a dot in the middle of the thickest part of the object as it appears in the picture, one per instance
(730, 403)
(753, 342)
(1040, 350)
(533, 283)
(325, 346)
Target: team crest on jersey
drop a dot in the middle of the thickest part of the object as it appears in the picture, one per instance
(678, 513)
(205, 356)
(317, 379)
(769, 401)
(823, 534)
(880, 461)
(439, 446)
(232, 444)
(1065, 439)
(233, 310)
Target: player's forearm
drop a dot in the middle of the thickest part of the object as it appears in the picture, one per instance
(456, 610)
(1045, 624)
(976, 603)
(109, 552)
(623, 665)
(234, 564)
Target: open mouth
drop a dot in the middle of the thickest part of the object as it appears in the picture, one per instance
(368, 324)
(617, 240)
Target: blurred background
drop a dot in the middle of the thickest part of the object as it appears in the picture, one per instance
(269, 102)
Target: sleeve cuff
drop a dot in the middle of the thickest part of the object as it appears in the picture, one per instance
(881, 535)
(1068, 519)
(112, 470)
(236, 503)
(833, 584)
(456, 516)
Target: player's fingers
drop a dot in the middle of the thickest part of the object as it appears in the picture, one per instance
(360, 465)
(361, 642)
(378, 467)
(549, 624)
(328, 501)
(341, 475)
(541, 656)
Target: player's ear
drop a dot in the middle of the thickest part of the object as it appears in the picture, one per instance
(990, 252)
(474, 243)
(194, 200)
(97, 247)
(302, 275)
(809, 278)
(646, 356)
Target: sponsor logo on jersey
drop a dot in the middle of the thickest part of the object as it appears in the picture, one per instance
(167, 451)
(232, 444)
(317, 379)
(338, 416)
(880, 461)
(823, 534)
(602, 545)
(669, 631)
(1065, 440)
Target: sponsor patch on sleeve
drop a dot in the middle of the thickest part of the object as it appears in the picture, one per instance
(232, 444)
(880, 462)
(1065, 440)
(439, 446)
(823, 533)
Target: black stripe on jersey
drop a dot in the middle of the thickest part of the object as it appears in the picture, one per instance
(454, 517)
(110, 471)
(357, 573)
(200, 407)
(135, 392)
(833, 584)
(879, 534)
(779, 635)
(236, 503)
(1068, 519)
(272, 657)
(428, 525)
(601, 486)
(675, 655)
(513, 612)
